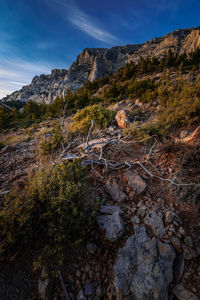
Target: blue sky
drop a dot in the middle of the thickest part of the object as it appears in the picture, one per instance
(39, 35)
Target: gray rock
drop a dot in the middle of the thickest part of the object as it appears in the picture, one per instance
(115, 191)
(113, 226)
(182, 293)
(136, 182)
(154, 221)
(135, 220)
(143, 269)
(89, 289)
(106, 209)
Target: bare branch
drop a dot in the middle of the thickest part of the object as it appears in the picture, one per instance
(162, 179)
(89, 133)
(63, 286)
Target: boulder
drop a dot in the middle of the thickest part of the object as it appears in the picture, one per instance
(113, 226)
(135, 181)
(115, 191)
(143, 268)
(122, 118)
(154, 221)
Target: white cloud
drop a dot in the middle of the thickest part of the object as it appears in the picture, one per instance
(82, 22)
(85, 23)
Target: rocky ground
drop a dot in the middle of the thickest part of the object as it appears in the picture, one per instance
(146, 243)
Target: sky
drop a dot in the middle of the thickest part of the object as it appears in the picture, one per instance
(39, 35)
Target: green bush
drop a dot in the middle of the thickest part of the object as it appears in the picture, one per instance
(82, 119)
(180, 103)
(136, 88)
(51, 144)
(54, 207)
(136, 133)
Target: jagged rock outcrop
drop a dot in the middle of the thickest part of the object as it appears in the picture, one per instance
(93, 63)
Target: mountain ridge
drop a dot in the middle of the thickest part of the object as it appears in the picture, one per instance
(93, 63)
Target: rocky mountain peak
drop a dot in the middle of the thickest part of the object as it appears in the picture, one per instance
(93, 63)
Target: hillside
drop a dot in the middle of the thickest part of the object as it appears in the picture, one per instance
(95, 63)
(100, 188)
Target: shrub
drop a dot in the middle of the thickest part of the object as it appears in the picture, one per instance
(148, 96)
(145, 131)
(49, 145)
(55, 205)
(82, 119)
(180, 103)
(138, 88)
(135, 133)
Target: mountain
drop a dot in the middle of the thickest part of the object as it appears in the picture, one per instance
(93, 63)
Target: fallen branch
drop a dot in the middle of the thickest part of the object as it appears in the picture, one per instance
(63, 286)
(68, 146)
(100, 161)
(89, 133)
(163, 179)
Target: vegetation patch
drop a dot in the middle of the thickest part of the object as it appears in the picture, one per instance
(55, 203)
(82, 119)
(52, 143)
(144, 132)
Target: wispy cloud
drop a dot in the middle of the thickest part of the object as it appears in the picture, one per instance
(15, 73)
(87, 24)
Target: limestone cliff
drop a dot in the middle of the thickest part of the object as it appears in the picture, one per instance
(93, 63)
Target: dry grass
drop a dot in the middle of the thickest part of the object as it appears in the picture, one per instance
(43, 132)
(16, 138)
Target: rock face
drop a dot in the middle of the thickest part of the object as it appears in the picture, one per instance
(143, 269)
(93, 63)
(43, 88)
